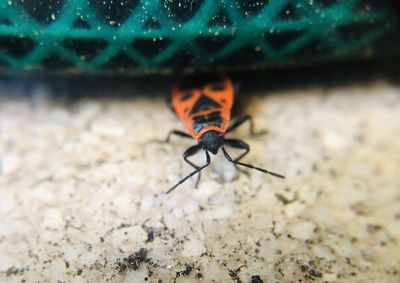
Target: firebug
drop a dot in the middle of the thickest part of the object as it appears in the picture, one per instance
(204, 106)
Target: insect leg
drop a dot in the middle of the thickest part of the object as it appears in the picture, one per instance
(189, 152)
(240, 120)
(177, 133)
(191, 174)
(239, 145)
(250, 166)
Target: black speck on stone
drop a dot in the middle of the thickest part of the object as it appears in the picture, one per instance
(256, 279)
(150, 236)
(314, 273)
(133, 261)
(186, 271)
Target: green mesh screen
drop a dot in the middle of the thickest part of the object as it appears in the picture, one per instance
(158, 35)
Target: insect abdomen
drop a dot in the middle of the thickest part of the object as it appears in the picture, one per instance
(211, 119)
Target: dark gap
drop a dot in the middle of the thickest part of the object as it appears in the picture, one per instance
(181, 60)
(152, 23)
(3, 64)
(312, 50)
(246, 55)
(114, 13)
(121, 62)
(288, 13)
(221, 18)
(199, 81)
(55, 62)
(87, 49)
(251, 8)
(6, 22)
(149, 47)
(182, 10)
(370, 5)
(212, 44)
(43, 11)
(81, 23)
(16, 46)
(326, 3)
(277, 40)
(356, 30)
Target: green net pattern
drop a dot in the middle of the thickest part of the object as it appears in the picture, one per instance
(155, 35)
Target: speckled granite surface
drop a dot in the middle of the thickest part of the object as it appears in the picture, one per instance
(81, 192)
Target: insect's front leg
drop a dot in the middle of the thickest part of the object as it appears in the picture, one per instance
(238, 144)
(190, 152)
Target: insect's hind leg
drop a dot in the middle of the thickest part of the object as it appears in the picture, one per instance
(190, 152)
(176, 133)
(241, 120)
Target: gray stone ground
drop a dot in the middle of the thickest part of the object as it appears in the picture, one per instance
(81, 190)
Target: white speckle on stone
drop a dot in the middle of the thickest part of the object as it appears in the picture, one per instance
(72, 252)
(6, 260)
(267, 196)
(215, 273)
(124, 204)
(108, 129)
(146, 203)
(53, 219)
(303, 230)
(109, 169)
(323, 252)
(128, 235)
(78, 279)
(219, 212)
(159, 254)
(334, 140)
(269, 254)
(8, 164)
(171, 221)
(193, 247)
(137, 276)
(294, 209)
(57, 270)
(190, 207)
(206, 189)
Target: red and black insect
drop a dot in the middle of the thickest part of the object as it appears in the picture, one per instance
(205, 109)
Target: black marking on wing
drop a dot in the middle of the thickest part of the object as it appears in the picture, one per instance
(186, 95)
(204, 103)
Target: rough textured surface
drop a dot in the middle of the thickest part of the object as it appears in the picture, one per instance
(82, 184)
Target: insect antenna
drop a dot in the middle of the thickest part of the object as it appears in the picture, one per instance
(250, 166)
(191, 174)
